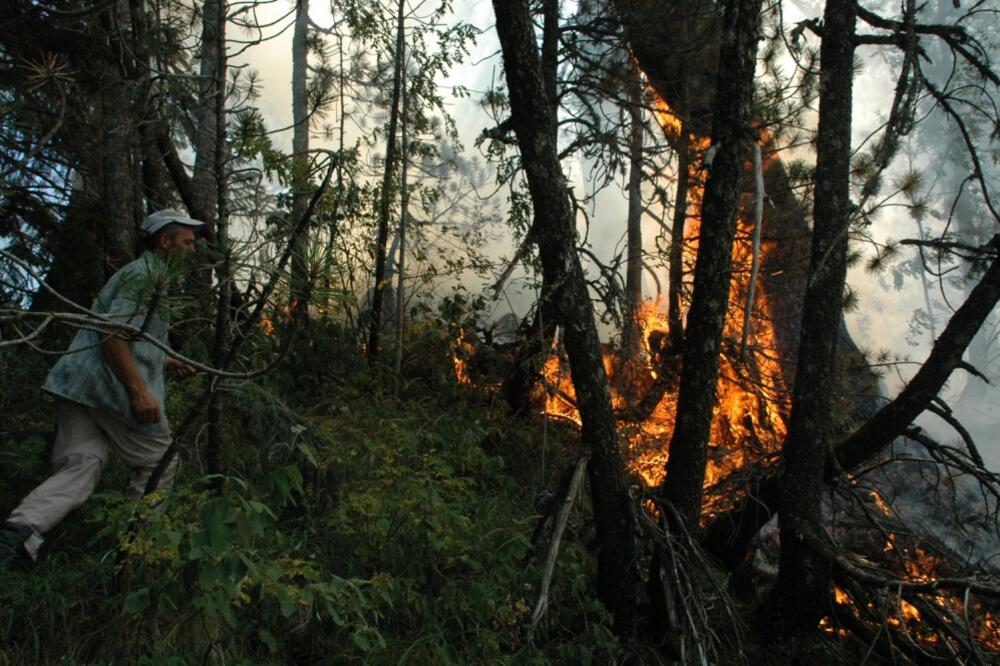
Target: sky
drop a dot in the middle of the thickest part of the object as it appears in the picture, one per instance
(883, 315)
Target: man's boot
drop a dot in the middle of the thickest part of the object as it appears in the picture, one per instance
(12, 538)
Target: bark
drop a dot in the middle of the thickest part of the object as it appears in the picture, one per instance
(533, 111)
(178, 172)
(155, 189)
(375, 327)
(675, 291)
(222, 342)
(677, 45)
(631, 336)
(803, 586)
(118, 232)
(204, 182)
(300, 156)
(155, 179)
(706, 318)
(404, 201)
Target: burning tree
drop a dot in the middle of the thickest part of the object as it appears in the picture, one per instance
(750, 407)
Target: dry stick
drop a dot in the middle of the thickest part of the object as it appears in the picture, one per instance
(101, 324)
(880, 580)
(521, 252)
(681, 582)
(966, 436)
(758, 211)
(30, 336)
(561, 521)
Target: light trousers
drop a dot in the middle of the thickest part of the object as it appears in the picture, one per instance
(84, 439)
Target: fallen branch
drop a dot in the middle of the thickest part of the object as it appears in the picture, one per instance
(560, 527)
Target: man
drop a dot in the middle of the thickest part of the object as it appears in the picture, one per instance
(109, 390)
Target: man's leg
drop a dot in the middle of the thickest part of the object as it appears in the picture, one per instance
(78, 456)
(139, 452)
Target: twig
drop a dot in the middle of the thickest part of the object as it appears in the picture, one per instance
(553, 552)
(758, 209)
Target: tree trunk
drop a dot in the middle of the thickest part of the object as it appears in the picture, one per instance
(204, 182)
(404, 201)
(221, 344)
(117, 173)
(675, 290)
(730, 137)
(533, 110)
(803, 587)
(631, 336)
(300, 157)
(385, 197)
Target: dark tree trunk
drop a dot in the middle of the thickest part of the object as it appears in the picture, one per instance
(675, 291)
(533, 111)
(385, 196)
(222, 341)
(631, 336)
(204, 181)
(731, 136)
(118, 230)
(803, 588)
(300, 157)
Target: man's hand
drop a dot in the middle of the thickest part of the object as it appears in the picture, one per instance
(118, 356)
(144, 405)
(179, 369)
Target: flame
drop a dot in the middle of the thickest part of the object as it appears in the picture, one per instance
(748, 423)
(749, 418)
(919, 566)
(461, 351)
(880, 502)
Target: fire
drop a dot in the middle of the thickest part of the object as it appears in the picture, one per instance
(752, 405)
(882, 505)
(749, 420)
(461, 350)
(903, 615)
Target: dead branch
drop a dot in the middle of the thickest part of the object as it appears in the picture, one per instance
(689, 589)
(560, 527)
(970, 444)
(885, 580)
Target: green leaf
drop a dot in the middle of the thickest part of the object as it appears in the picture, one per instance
(137, 601)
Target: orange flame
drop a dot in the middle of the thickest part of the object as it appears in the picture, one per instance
(749, 419)
(461, 351)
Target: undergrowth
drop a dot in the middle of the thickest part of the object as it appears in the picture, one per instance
(356, 527)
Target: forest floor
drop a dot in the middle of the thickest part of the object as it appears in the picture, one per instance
(356, 527)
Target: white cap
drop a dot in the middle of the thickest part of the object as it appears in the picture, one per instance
(162, 218)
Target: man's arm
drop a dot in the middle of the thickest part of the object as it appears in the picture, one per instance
(118, 356)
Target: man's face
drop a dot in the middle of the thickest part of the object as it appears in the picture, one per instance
(178, 242)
